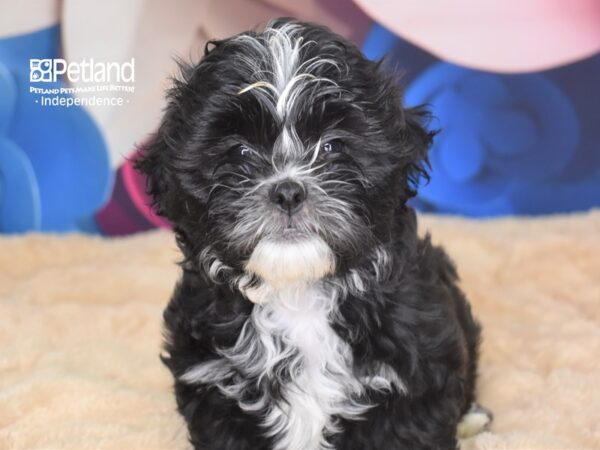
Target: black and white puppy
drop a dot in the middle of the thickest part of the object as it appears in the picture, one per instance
(309, 314)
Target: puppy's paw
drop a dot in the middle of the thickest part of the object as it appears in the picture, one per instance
(476, 420)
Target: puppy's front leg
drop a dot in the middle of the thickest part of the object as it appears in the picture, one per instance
(403, 423)
(215, 422)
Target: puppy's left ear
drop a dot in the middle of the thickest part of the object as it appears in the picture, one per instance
(416, 142)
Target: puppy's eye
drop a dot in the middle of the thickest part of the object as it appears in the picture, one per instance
(332, 146)
(240, 150)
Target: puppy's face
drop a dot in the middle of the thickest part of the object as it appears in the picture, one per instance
(284, 154)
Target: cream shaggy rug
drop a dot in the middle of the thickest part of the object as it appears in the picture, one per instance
(80, 335)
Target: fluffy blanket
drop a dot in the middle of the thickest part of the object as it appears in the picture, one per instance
(80, 335)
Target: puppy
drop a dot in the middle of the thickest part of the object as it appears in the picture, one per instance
(309, 314)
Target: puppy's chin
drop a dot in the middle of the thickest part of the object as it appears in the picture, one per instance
(282, 262)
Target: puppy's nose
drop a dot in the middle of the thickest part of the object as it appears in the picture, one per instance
(288, 196)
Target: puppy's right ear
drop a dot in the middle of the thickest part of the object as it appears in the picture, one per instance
(160, 183)
(157, 159)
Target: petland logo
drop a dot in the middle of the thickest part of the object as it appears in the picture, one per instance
(54, 82)
(86, 71)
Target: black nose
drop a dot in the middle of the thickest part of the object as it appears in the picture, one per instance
(288, 195)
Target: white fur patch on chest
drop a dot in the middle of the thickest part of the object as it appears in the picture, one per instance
(322, 384)
(291, 327)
